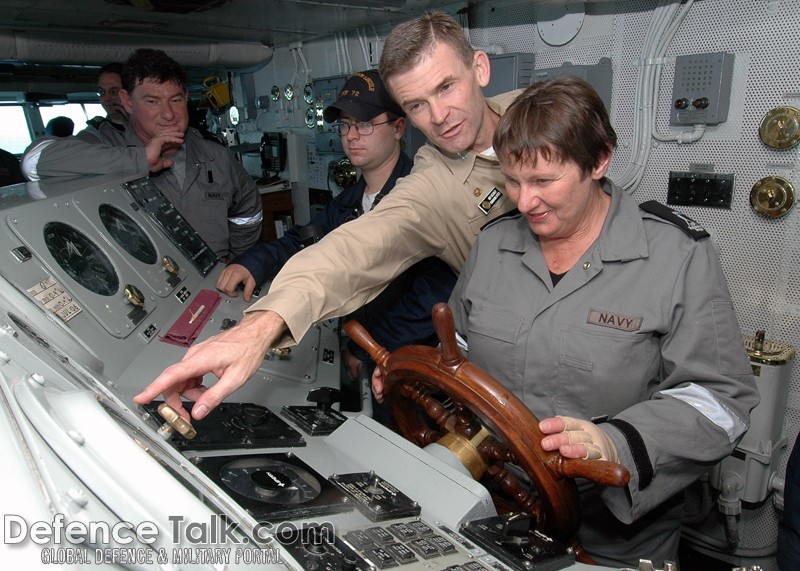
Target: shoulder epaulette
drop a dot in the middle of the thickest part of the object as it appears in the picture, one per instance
(679, 219)
(96, 121)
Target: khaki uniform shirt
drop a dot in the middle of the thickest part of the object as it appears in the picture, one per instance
(437, 210)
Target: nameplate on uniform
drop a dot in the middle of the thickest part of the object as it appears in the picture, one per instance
(689, 226)
(491, 199)
(614, 320)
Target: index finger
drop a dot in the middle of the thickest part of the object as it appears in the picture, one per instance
(227, 283)
(172, 380)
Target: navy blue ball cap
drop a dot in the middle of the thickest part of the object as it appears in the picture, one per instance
(364, 97)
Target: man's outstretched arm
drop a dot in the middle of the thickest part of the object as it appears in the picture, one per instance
(233, 356)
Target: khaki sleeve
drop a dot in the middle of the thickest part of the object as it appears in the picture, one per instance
(353, 264)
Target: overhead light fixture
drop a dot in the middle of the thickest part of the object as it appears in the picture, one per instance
(132, 25)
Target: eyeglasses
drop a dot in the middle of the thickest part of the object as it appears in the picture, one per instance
(113, 92)
(362, 127)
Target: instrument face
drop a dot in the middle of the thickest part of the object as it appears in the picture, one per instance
(81, 259)
(780, 128)
(128, 234)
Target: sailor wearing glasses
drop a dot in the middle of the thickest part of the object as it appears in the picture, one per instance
(371, 126)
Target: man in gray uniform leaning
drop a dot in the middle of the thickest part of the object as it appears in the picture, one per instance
(201, 178)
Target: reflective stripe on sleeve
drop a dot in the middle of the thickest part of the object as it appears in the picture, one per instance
(461, 341)
(706, 404)
(247, 220)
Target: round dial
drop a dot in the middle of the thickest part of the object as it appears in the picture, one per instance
(275, 93)
(780, 128)
(308, 93)
(128, 234)
(311, 118)
(270, 481)
(342, 173)
(81, 258)
(288, 91)
(772, 196)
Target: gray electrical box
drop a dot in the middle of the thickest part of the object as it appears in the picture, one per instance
(599, 76)
(702, 89)
(509, 71)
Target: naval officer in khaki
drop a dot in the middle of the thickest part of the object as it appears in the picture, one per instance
(454, 189)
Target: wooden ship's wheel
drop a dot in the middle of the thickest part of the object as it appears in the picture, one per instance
(437, 395)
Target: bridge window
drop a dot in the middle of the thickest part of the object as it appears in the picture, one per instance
(78, 112)
(14, 135)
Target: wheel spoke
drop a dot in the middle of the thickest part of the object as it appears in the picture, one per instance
(467, 423)
(513, 488)
(496, 451)
(432, 407)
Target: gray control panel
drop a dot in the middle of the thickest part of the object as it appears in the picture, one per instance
(100, 284)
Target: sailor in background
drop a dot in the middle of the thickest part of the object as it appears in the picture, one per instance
(371, 125)
(109, 85)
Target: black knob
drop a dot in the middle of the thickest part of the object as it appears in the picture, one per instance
(255, 415)
(315, 542)
(517, 528)
(325, 397)
(349, 562)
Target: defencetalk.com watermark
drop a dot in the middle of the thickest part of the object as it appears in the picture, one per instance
(67, 542)
(161, 556)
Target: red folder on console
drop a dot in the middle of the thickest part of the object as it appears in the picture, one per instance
(188, 326)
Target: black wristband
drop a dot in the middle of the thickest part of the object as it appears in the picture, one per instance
(639, 451)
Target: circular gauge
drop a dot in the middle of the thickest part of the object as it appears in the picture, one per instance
(270, 481)
(81, 258)
(311, 118)
(772, 196)
(308, 94)
(288, 91)
(275, 93)
(780, 128)
(342, 173)
(128, 234)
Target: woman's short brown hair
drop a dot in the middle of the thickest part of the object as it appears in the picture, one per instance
(562, 119)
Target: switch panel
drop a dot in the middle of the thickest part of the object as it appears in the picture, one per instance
(700, 189)
(326, 91)
(702, 89)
